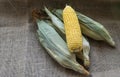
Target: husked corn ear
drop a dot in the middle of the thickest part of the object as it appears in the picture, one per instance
(72, 29)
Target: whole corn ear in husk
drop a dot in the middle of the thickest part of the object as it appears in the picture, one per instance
(57, 48)
(72, 29)
(90, 27)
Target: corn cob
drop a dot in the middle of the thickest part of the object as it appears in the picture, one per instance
(84, 55)
(72, 29)
(90, 27)
(57, 48)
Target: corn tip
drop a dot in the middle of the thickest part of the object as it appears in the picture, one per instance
(67, 7)
(113, 43)
(45, 8)
(86, 72)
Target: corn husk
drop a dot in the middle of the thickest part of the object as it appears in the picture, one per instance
(55, 20)
(84, 55)
(57, 48)
(90, 27)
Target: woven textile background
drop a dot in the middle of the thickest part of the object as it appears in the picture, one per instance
(21, 55)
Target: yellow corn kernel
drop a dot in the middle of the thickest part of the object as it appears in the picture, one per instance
(72, 29)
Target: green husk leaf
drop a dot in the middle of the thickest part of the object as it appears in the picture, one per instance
(56, 21)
